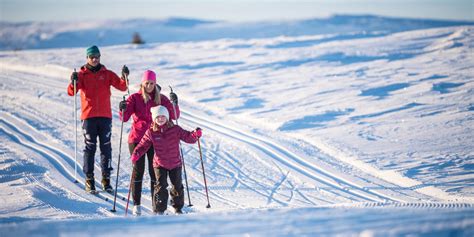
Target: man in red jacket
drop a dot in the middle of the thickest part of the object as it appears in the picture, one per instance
(94, 81)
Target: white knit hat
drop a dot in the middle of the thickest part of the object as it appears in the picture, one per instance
(159, 110)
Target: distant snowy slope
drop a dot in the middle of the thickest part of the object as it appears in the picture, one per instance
(37, 35)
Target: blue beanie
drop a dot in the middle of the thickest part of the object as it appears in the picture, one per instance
(93, 50)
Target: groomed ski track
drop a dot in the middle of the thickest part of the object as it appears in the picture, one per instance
(304, 181)
(242, 163)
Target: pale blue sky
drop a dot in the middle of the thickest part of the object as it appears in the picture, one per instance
(229, 10)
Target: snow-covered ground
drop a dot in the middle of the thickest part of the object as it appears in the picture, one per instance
(66, 34)
(362, 134)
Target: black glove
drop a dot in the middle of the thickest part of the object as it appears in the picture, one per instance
(125, 72)
(74, 77)
(123, 105)
(174, 98)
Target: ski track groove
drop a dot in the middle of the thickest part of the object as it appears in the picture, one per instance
(41, 185)
(96, 165)
(51, 159)
(240, 176)
(275, 189)
(50, 153)
(291, 160)
(70, 162)
(53, 155)
(336, 189)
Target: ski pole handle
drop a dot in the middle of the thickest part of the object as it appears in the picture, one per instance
(125, 73)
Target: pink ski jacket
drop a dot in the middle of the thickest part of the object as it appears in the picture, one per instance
(141, 115)
(165, 142)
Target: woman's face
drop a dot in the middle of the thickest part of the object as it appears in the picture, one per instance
(161, 120)
(149, 86)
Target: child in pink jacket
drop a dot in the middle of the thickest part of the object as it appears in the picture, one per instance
(164, 136)
(137, 107)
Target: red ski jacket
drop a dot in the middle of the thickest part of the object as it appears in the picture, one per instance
(95, 91)
(165, 143)
(141, 115)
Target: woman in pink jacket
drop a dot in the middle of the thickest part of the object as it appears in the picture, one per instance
(164, 138)
(138, 107)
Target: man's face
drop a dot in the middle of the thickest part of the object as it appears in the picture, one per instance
(93, 60)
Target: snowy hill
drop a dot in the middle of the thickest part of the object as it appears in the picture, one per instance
(316, 132)
(40, 35)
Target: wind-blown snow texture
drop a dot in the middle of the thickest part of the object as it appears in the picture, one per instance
(364, 132)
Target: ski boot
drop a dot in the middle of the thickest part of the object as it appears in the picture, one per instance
(137, 210)
(90, 184)
(106, 184)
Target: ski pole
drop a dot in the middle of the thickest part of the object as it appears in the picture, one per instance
(118, 165)
(181, 155)
(75, 130)
(126, 81)
(129, 188)
(203, 173)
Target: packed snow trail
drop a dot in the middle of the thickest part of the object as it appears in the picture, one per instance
(60, 161)
(336, 187)
(258, 156)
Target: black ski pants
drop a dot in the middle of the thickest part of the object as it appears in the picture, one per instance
(161, 191)
(138, 172)
(93, 128)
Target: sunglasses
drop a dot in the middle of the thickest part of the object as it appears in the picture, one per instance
(94, 56)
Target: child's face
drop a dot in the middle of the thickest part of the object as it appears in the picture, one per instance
(160, 120)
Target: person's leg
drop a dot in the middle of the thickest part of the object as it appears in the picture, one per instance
(105, 129)
(160, 195)
(89, 130)
(137, 177)
(150, 153)
(177, 189)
